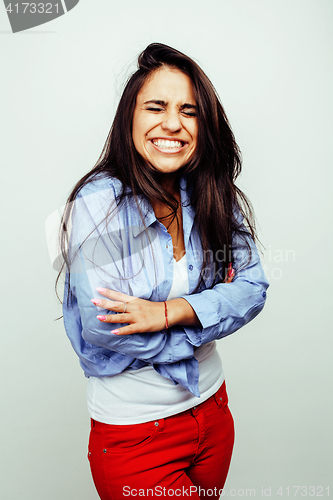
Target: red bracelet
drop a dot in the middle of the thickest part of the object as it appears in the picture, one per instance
(166, 317)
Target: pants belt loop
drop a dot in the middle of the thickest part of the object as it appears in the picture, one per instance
(160, 424)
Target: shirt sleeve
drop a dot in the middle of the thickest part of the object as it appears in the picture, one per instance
(228, 306)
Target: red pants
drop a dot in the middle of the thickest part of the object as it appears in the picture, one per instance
(186, 455)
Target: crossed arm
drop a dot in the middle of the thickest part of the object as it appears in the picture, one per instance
(145, 316)
(194, 319)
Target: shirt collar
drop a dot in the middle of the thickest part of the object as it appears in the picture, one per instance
(148, 213)
(188, 210)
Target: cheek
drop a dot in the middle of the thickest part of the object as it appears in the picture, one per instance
(137, 137)
(195, 133)
(195, 136)
(136, 128)
(140, 129)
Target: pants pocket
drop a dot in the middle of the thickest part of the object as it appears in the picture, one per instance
(221, 397)
(126, 438)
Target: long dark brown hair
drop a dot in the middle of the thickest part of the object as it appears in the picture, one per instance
(213, 169)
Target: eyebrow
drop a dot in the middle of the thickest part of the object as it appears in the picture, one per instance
(163, 103)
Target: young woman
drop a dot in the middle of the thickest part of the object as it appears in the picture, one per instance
(160, 257)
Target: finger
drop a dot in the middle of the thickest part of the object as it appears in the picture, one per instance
(229, 279)
(117, 296)
(125, 330)
(110, 304)
(230, 276)
(114, 318)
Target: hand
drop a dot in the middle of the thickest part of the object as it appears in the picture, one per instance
(230, 274)
(142, 315)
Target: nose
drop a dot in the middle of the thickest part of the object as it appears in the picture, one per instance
(172, 122)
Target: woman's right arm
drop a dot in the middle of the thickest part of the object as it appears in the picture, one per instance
(98, 261)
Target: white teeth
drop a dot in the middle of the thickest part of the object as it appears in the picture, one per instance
(161, 143)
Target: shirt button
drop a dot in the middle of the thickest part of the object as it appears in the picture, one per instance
(264, 294)
(190, 267)
(166, 246)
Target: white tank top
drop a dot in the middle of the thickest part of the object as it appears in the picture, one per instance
(137, 396)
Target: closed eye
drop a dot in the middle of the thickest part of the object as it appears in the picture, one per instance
(189, 109)
(154, 109)
(187, 113)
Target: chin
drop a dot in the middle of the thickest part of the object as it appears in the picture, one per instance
(167, 169)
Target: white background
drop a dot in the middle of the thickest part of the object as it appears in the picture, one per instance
(271, 63)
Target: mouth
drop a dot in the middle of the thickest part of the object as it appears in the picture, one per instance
(168, 146)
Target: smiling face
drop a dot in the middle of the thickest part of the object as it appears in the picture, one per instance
(165, 125)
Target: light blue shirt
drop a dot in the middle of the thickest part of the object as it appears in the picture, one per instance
(119, 254)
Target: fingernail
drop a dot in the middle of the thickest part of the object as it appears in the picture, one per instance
(115, 332)
(96, 301)
(101, 318)
(101, 290)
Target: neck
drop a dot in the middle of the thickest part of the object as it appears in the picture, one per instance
(170, 183)
(171, 186)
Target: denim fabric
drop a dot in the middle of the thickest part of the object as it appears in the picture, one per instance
(186, 455)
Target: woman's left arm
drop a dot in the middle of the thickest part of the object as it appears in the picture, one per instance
(227, 307)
